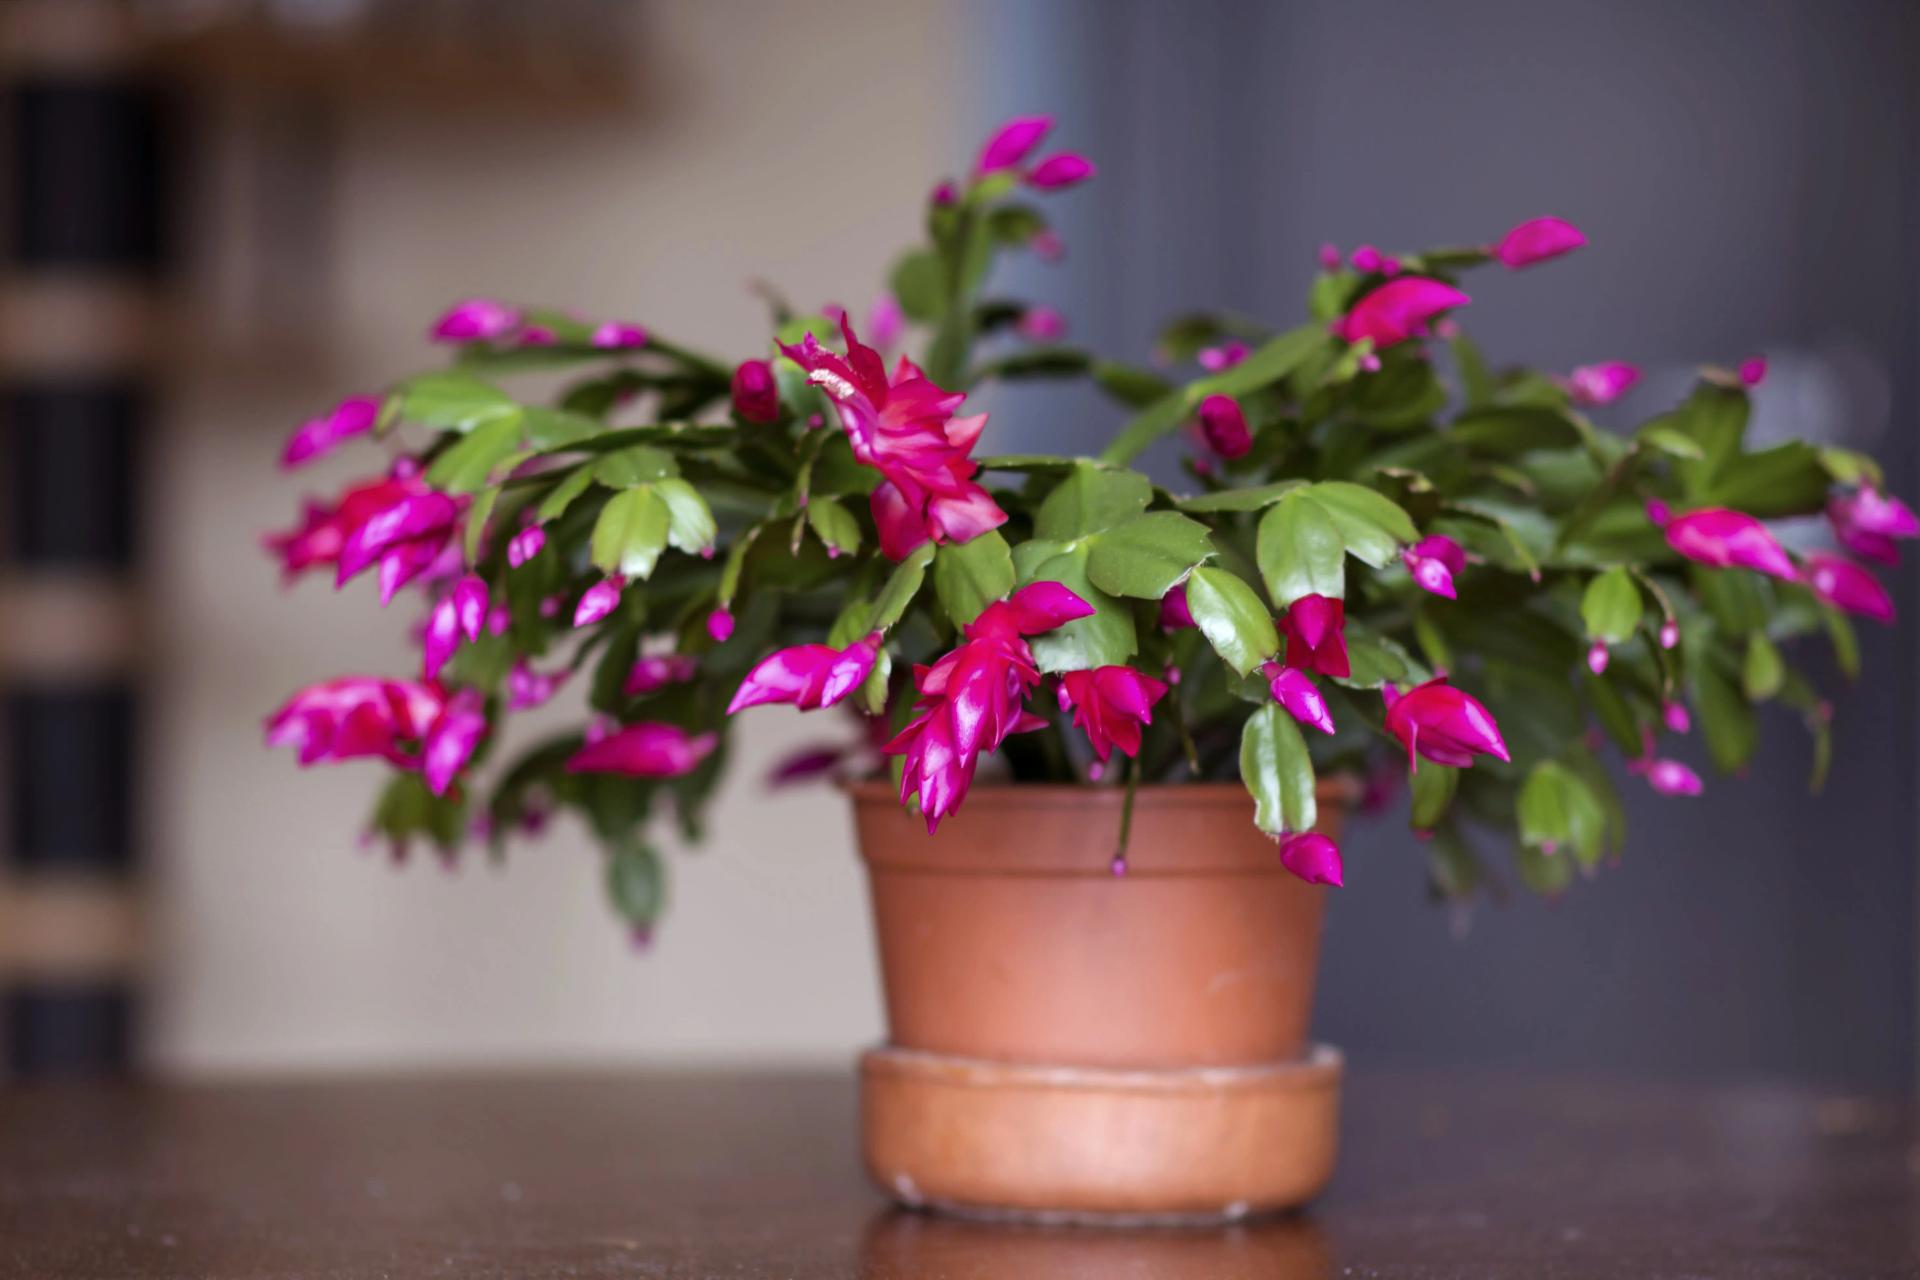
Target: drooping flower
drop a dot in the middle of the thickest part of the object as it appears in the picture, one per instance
(1537, 240)
(970, 699)
(351, 417)
(1223, 357)
(525, 545)
(1314, 628)
(720, 625)
(1313, 857)
(323, 529)
(1845, 585)
(451, 741)
(756, 395)
(1224, 426)
(650, 674)
(1174, 613)
(616, 335)
(1011, 144)
(1753, 370)
(650, 749)
(1056, 172)
(1112, 705)
(1598, 384)
(1725, 538)
(528, 688)
(1433, 561)
(1402, 308)
(462, 611)
(355, 717)
(807, 676)
(476, 320)
(1295, 691)
(599, 600)
(1041, 324)
(1867, 522)
(905, 429)
(399, 523)
(1442, 723)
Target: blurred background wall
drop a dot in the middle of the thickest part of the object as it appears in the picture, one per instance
(1744, 171)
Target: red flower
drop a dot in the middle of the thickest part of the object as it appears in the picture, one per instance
(1314, 628)
(1443, 724)
(1113, 704)
(756, 395)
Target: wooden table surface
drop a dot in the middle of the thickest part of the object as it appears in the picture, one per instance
(744, 1176)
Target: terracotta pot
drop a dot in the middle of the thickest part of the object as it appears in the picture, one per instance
(1065, 1041)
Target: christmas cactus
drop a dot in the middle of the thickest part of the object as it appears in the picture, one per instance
(1386, 559)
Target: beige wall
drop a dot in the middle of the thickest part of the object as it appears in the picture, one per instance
(789, 141)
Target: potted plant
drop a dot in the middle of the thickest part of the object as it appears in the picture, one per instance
(1111, 725)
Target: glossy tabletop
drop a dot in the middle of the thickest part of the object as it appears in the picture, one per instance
(744, 1176)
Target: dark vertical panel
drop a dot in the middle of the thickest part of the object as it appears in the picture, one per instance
(86, 169)
(67, 1030)
(70, 758)
(70, 474)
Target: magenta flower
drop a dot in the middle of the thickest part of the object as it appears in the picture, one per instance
(970, 699)
(1442, 723)
(808, 676)
(905, 429)
(756, 395)
(1675, 716)
(1294, 690)
(476, 320)
(1112, 705)
(1314, 628)
(615, 335)
(1433, 561)
(1867, 522)
(1402, 308)
(1365, 259)
(1174, 613)
(1536, 241)
(1056, 172)
(1223, 357)
(351, 417)
(355, 717)
(720, 625)
(944, 195)
(525, 545)
(649, 749)
(404, 536)
(1726, 539)
(462, 610)
(1753, 370)
(1597, 384)
(1224, 427)
(1598, 657)
(1313, 857)
(1011, 144)
(1845, 585)
(599, 600)
(654, 673)
(1669, 777)
(322, 533)
(451, 741)
(528, 688)
(1041, 324)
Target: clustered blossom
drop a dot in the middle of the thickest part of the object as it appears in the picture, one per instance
(1868, 523)
(1112, 705)
(1434, 561)
(905, 429)
(970, 700)
(399, 522)
(1010, 146)
(415, 726)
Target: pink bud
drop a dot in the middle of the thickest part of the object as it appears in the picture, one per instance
(1669, 634)
(1295, 691)
(944, 195)
(756, 394)
(1845, 585)
(1676, 717)
(1598, 384)
(476, 320)
(1658, 513)
(537, 335)
(1174, 613)
(1312, 857)
(1060, 171)
(1041, 324)
(599, 600)
(1753, 370)
(615, 336)
(1225, 426)
(1223, 357)
(1365, 259)
(1433, 561)
(1597, 655)
(1671, 778)
(1368, 363)
(1402, 308)
(1012, 143)
(720, 625)
(1329, 257)
(470, 605)
(1536, 241)
(1725, 539)
(525, 545)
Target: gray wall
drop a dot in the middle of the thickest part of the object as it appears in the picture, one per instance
(1745, 173)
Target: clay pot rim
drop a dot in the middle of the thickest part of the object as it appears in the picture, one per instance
(1339, 790)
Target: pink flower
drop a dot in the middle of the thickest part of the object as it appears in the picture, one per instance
(351, 417)
(461, 611)
(323, 529)
(1112, 705)
(451, 741)
(905, 429)
(402, 525)
(654, 673)
(1866, 522)
(756, 395)
(1225, 426)
(1365, 259)
(1056, 172)
(1725, 539)
(476, 320)
(1669, 634)
(1402, 308)
(1329, 257)
(1669, 777)
(1598, 657)
(528, 688)
(808, 676)
(944, 195)
(970, 699)
(1845, 585)
(1294, 690)
(1314, 628)
(1433, 561)
(1042, 324)
(720, 625)
(615, 335)
(1223, 357)
(525, 545)
(1443, 724)
(1675, 716)
(599, 600)
(1313, 857)
(1011, 144)
(649, 749)
(1753, 370)
(1536, 241)
(1174, 613)
(355, 717)
(1595, 384)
